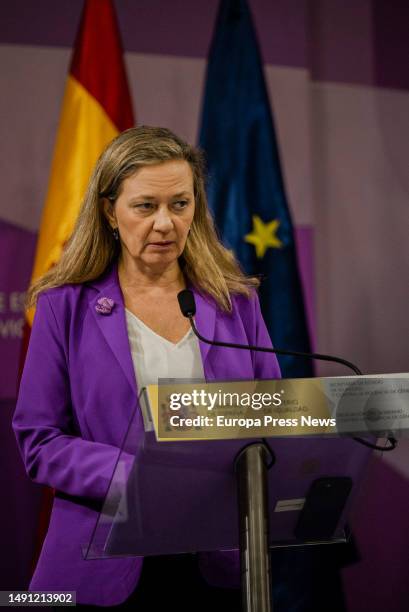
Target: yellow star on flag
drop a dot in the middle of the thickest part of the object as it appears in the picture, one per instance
(264, 235)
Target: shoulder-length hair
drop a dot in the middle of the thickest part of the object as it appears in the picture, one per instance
(206, 263)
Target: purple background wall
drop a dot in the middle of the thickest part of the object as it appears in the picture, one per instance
(339, 86)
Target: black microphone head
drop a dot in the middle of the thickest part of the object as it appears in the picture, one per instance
(187, 303)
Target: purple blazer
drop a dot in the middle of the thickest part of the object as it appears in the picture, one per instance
(76, 397)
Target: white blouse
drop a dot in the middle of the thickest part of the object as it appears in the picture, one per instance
(155, 357)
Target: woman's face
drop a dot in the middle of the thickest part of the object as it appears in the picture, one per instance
(153, 213)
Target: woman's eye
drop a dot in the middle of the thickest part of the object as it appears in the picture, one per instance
(181, 204)
(144, 206)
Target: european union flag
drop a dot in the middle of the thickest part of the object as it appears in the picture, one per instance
(246, 190)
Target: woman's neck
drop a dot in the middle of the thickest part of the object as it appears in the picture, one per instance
(132, 276)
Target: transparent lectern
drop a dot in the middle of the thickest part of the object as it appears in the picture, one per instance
(181, 496)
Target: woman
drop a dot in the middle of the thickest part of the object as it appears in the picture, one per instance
(107, 322)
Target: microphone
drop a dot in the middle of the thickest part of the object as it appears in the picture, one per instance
(187, 306)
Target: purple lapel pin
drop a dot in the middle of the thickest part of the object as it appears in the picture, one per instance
(104, 305)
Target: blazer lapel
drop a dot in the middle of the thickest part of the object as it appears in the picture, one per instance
(113, 325)
(205, 320)
(114, 329)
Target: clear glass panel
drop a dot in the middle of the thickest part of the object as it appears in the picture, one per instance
(175, 497)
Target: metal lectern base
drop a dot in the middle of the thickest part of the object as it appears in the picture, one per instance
(251, 465)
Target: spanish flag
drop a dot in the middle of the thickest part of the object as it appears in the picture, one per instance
(96, 107)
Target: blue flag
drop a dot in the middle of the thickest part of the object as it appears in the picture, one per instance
(246, 190)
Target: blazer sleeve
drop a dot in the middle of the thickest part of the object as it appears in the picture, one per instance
(265, 364)
(53, 452)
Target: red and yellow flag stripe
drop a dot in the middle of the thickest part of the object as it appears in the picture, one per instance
(96, 107)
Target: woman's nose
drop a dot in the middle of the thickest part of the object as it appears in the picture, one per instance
(163, 221)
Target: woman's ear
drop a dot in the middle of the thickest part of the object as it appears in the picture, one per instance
(109, 212)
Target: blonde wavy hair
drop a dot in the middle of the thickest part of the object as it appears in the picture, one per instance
(206, 263)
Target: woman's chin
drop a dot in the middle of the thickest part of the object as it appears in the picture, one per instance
(158, 260)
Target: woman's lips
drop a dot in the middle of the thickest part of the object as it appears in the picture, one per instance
(161, 245)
